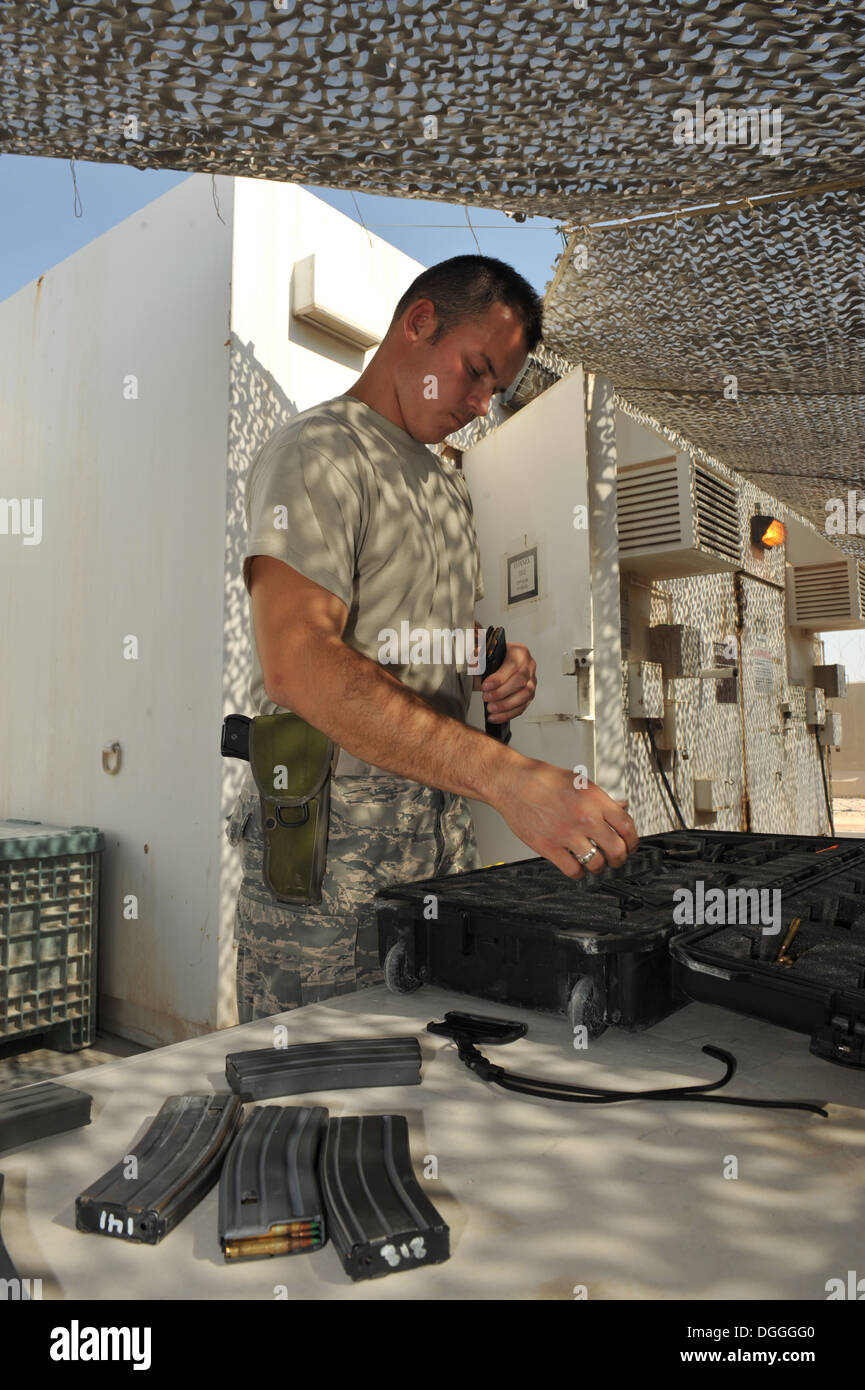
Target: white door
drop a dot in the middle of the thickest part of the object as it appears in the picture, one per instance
(528, 484)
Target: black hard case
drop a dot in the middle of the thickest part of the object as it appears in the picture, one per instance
(606, 951)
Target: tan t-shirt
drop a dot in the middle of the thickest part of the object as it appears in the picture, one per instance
(351, 501)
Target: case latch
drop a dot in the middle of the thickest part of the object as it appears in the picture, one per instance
(842, 1040)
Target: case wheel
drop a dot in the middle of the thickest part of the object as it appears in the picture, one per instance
(396, 973)
(586, 1008)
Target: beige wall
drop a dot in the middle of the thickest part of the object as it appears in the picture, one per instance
(848, 764)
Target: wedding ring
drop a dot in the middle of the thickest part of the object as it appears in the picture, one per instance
(584, 858)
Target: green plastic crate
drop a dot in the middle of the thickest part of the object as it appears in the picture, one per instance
(49, 921)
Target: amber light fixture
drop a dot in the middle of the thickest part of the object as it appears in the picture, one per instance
(766, 531)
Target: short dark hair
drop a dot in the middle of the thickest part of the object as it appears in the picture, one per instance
(465, 287)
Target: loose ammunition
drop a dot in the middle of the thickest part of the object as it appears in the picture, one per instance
(783, 958)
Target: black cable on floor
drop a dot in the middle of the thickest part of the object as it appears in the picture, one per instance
(555, 1090)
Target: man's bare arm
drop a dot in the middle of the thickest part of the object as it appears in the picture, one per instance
(355, 701)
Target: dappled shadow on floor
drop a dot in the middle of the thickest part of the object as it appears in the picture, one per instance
(24, 1061)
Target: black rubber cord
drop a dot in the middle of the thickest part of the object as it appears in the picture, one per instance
(556, 1090)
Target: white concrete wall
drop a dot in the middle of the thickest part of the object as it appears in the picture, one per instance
(275, 226)
(636, 444)
(511, 517)
(133, 494)
(848, 764)
(142, 536)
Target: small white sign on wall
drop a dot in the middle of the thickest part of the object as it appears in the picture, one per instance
(522, 575)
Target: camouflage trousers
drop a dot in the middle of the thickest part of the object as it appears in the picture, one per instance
(383, 830)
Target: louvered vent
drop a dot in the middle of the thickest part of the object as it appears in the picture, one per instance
(676, 517)
(649, 511)
(826, 594)
(542, 369)
(717, 518)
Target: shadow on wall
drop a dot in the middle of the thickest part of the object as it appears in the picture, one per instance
(257, 407)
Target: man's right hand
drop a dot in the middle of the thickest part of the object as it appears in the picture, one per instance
(542, 807)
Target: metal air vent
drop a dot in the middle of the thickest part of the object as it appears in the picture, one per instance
(827, 598)
(541, 370)
(677, 517)
(717, 514)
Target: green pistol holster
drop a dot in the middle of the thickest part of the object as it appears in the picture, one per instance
(292, 765)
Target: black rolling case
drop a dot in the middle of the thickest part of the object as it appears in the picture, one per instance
(772, 926)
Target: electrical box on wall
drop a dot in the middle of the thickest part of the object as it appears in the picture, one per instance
(645, 690)
(677, 648)
(832, 680)
(666, 733)
(815, 707)
(830, 734)
(708, 796)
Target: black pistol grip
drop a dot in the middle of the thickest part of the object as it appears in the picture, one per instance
(235, 736)
(496, 651)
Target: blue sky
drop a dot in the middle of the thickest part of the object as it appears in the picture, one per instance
(38, 225)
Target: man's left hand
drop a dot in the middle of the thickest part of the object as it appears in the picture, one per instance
(512, 688)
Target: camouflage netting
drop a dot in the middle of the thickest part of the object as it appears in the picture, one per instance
(767, 307)
(563, 109)
(578, 111)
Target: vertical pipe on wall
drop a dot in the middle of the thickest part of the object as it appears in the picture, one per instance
(609, 770)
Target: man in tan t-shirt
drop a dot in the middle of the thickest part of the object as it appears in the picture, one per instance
(356, 531)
